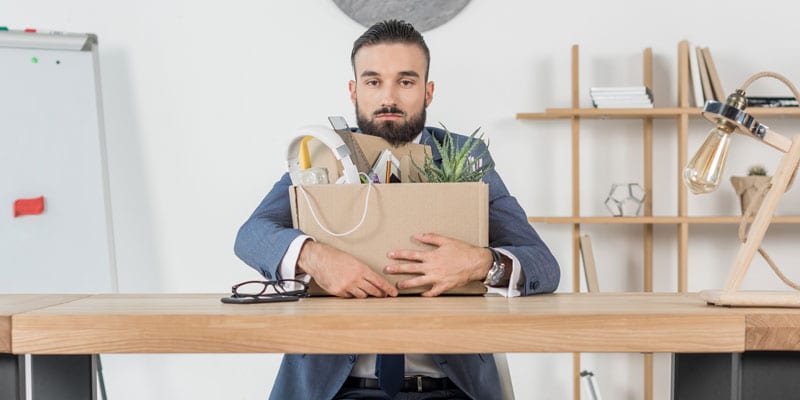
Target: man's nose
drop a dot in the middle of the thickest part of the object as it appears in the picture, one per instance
(389, 98)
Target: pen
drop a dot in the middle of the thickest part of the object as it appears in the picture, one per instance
(388, 170)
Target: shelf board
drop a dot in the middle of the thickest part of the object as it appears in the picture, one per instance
(662, 112)
(657, 220)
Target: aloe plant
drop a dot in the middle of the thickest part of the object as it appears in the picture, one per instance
(757, 170)
(458, 164)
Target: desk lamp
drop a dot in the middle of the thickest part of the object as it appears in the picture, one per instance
(702, 175)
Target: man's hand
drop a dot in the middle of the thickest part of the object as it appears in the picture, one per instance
(341, 274)
(452, 264)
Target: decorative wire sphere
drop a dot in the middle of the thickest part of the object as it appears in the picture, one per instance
(625, 199)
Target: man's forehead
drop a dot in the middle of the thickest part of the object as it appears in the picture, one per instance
(390, 58)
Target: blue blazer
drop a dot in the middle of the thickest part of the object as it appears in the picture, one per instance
(266, 235)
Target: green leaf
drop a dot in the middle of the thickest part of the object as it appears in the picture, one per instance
(457, 163)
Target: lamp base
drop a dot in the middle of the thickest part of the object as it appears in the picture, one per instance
(751, 298)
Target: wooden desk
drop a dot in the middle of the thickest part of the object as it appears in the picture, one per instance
(186, 323)
(12, 304)
(550, 323)
(12, 367)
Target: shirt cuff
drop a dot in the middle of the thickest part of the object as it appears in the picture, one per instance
(514, 282)
(289, 262)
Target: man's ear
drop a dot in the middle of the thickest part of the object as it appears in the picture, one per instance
(352, 87)
(429, 93)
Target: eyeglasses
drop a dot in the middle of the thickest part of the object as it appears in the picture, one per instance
(268, 289)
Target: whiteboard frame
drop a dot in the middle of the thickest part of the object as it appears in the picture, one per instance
(83, 42)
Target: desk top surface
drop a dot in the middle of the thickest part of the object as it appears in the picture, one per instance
(20, 303)
(200, 323)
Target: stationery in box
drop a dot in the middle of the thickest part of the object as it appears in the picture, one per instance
(371, 147)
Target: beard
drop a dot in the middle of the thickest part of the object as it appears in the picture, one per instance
(392, 131)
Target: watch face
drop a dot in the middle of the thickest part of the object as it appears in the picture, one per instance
(496, 274)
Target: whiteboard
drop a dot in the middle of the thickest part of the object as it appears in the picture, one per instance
(52, 145)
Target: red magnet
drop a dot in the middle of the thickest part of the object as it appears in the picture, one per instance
(33, 206)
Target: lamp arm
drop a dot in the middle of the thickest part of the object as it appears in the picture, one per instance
(779, 183)
(775, 140)
(769, 136)
(775, 75)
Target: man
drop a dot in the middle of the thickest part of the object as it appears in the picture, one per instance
(391, 92)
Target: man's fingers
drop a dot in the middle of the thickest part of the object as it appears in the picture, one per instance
(434, 291)
(411, 255)
(421, 280)
(380, 283)
(431, 238)
(405, 268)
(372, 290)
(358, 293)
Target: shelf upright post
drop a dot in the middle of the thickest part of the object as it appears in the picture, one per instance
(683, 133)
(647, 122)
(576, 209)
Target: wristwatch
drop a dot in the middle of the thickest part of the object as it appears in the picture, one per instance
(497, 271)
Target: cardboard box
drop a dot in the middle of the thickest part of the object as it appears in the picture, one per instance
(395, 212)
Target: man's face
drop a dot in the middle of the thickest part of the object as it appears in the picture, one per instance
(390, 92)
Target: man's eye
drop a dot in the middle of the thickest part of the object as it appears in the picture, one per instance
(406, 83)
(372, 82)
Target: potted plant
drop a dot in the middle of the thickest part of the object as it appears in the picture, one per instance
(751, 188)
(458, 164)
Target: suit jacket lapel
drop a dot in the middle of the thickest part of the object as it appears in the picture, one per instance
(427, 138)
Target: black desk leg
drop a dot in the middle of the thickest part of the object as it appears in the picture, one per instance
(64, 377)
(706, 376)
(12, 377)
(757, 375)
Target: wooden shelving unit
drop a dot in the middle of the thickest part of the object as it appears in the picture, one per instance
(634, 113)
(681, 114)
(656, 220)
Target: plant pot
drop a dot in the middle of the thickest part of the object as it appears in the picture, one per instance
(750, 189)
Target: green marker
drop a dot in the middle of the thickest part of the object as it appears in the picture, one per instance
(3, 28)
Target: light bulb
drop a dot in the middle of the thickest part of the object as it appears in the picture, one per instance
(703, 173)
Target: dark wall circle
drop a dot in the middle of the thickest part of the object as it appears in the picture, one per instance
(423, 14)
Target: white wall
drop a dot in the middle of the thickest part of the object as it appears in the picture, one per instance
(200, 98)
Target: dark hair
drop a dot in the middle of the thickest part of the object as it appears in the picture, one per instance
(391, 31)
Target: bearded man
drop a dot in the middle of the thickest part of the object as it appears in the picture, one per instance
(391, 92)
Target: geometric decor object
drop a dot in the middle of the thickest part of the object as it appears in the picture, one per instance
(625, 199)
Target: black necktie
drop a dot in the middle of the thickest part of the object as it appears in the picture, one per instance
(390, 370)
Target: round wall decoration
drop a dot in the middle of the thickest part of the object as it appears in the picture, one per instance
(423, 14)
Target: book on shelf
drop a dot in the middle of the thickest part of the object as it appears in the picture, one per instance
(716, 85)
(621, 91)
(621, 97)
(695, 85)
(771, 101)
(622, 104)
(708, 93)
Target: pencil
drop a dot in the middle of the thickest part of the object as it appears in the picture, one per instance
(388, 171)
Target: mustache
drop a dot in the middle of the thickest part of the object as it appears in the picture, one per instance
(389, 110)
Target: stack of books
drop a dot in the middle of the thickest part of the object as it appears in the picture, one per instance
(706, 85)
(622, 97)
(770, 101)
(703, 77)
